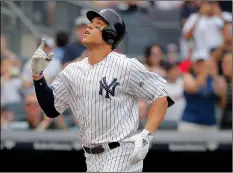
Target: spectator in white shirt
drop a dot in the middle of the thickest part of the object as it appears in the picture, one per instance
(205, 28)
(175, 88)
(168, 5)
(225, 15)
(10, 83)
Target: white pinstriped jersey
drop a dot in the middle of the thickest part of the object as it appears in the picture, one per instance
(104, 97)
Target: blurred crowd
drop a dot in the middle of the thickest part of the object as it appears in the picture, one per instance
(198, 71)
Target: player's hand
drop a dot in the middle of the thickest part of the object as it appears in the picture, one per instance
(40, 60)
(141, 146)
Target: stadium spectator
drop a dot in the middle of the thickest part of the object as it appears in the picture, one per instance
(225, 15)
(133, 6)
(51, 5)
(172, 53)
(105, 4)
(43, 12)
(33, 111)
(168, 5)
(35, 117)
(62, 39)
(154, 59)
(185, 65)
(10, 83)
(226, 120)
(219, 52)
(7, 117)
(201, 96)
(205, 28)
(124, 6)
(50, 72)
(75, 49)
(175, 88)
(188, 8)
(6, 53)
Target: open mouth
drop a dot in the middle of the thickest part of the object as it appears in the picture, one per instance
(86, 32)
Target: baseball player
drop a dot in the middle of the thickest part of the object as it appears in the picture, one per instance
(103, 91)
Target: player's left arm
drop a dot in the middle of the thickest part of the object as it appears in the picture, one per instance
(150, 87)
(156, 113)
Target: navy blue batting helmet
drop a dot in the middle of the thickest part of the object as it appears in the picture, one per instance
(115, 31)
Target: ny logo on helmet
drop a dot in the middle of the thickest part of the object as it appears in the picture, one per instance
(102, 11)
(110, 89)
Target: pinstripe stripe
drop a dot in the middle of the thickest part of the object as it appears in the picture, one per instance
(143, 76)
(102, 115)
(104, 120)
(142, 71)
(118, 112)
(121, 164)
(86, 123)
(93, 107)
(111, 71)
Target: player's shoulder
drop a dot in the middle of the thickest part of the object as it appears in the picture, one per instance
(117, 55)
(78, 63)
(124, 59)
(117, 59)
(136, 64)
(74, 66)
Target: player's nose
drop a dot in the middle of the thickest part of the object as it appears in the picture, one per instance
(90, 26)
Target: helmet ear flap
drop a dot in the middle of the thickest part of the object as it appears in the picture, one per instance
(109, 36)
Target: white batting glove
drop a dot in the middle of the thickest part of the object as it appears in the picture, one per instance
(141, 146)
(40, 60)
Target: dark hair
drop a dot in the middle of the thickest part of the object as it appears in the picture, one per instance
(213, 2)
(227, 23)
(62, 39)
(147, 51)
(191, 70)
(168, 66)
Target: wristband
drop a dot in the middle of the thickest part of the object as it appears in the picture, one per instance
(146, 132)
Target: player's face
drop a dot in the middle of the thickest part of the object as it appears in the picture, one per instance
(92, 35)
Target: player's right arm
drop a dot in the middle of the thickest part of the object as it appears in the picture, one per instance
(53, 100)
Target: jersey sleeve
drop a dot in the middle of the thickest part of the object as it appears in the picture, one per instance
(60, 93)
(144, 84)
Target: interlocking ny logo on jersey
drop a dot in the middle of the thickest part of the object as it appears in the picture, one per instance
(110, 89)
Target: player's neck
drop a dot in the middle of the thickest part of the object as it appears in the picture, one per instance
(97, 54)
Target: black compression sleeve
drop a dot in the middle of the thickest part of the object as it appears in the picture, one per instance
(45, 98)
